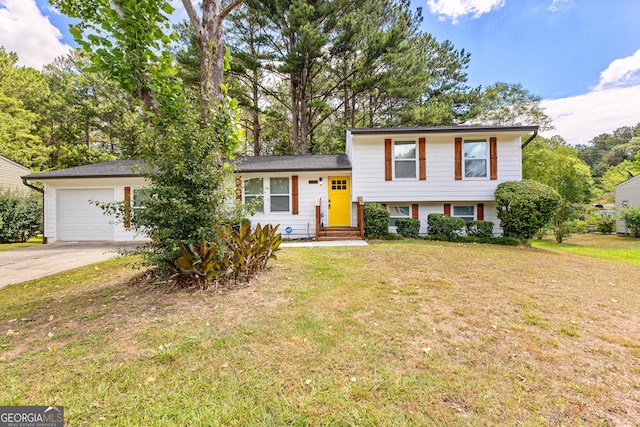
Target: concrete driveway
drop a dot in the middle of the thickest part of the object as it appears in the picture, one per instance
(24, 264)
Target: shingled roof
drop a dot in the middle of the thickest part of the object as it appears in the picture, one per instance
(132, 168)
(310, 162)
(114, 168)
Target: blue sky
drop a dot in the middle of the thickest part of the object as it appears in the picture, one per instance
(581, 56)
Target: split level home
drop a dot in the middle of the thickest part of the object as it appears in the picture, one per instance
(412, 171)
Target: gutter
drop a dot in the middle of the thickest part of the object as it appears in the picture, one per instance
(31, 186)
(41, 191)
(531, 138)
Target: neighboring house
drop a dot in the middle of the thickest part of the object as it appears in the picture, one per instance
(627, 195)
(10, 177)
(413, 171)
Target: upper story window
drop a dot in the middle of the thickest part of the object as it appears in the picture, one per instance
(279, 190)
(475, 159)
(253, 193)
(404, 159)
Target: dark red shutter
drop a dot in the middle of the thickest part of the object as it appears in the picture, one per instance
(422, 158)
(493, 157)
(447, 209)
(458, 158)
(127, 207)
(414, 211)
(294, 194)
(480, 212)
(239, 189)
(388, 158)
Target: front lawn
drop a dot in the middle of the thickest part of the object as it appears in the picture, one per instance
(33, 241)
(608, 246)
(396, 333)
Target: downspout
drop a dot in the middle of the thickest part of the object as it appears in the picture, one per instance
(41, 191)
(531, 138)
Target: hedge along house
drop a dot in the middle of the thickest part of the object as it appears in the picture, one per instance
(413, 171)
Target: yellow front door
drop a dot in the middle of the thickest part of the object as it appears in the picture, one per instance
(339, 201)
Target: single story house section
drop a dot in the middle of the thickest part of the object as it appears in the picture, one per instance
(627, 194)
(10, 177)
(413, 171)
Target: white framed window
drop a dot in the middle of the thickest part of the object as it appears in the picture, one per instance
(253, 193)
(139, 199)
(279, 194)
(468, 213)
(397, 212)
(404, 159)
(475, 159)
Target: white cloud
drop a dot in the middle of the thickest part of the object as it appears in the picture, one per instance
(578, 119)
(556, 5)
(456, 8)
(621, 72)
(24, 30)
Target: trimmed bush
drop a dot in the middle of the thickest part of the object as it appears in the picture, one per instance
(445, 226)
(498, 240)
(524, 207)
(632, 217)
(606, 224)
(408, 227)
(20, 217)
(480, 228)
(376, 221)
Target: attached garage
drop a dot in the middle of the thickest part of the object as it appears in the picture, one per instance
(79, 219)
(70, 213)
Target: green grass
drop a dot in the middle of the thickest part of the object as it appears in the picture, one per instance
(607, 247)
(396, 333)
(33, 241)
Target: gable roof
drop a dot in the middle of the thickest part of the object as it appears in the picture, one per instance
(633, 179)
(135, 168)
(114, 168)
(14, 163)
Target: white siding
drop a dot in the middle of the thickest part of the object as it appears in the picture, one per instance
(121, 234)
(10, 173)
(628, 191)
(440, 185)
(302, 225)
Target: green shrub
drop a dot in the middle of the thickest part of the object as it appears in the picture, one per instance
(20, 217)
(524, 207)
(445, 226)
(632, 217)
(577, 226)
(408, 227)
(376, 221)
(480, 228)
(606, 224)
(240, 255)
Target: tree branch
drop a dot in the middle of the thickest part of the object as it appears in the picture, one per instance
(227, 10)
(117, 8)
(193, 16)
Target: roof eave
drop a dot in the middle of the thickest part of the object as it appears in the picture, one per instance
(444, 129)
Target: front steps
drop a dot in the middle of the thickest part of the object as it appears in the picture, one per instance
(338, 233)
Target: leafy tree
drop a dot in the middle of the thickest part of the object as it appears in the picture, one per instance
(186, 142)
(608, 150)
(21, 91)
(504, 104)
(554, 163)
(524, 207)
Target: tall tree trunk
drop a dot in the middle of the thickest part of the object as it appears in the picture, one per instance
(212, 49)
(255, 112)
(304, 115)
(295, 114)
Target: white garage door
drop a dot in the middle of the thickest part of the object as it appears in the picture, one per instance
(78, 219)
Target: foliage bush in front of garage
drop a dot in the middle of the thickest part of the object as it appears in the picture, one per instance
(20, 217)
